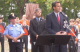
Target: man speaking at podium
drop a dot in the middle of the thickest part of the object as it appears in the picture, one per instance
(55, 23)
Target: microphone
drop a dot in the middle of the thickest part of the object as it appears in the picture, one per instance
(64, 14)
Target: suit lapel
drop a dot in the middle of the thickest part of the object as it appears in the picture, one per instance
(61, 19)
(41, 21)
(35, 21)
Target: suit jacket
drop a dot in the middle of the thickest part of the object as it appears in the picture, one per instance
(52, 24)
(36, 28)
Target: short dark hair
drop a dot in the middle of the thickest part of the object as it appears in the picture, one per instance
(38, 9)
(54, 3)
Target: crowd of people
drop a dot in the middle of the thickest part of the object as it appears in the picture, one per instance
(75, 33)
(76, 23)
(18, 30)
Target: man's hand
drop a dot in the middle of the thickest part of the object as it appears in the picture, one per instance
(63, 33)
(58, 33)
(15, 39)
(37, 36)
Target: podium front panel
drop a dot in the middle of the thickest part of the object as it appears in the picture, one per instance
(62, 39)
(53, 39)
(45, 40)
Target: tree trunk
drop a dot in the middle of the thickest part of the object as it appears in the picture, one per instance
(21, 6)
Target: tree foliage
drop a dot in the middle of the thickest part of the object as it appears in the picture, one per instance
(9, 6)
(71, 7)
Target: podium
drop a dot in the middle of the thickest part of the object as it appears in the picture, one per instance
(53, 39)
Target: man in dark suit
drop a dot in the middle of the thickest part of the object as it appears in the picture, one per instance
(37, 26)
(55, 23)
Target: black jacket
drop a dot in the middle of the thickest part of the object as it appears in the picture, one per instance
(52, 24)
(36, 28)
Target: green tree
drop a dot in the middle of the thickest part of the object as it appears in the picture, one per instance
(15, 6)
(42, 4)
(71, 7)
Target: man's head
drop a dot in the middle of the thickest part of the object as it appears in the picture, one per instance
(38, 12)
(56, 6)
(12, 18)
(24, 17)
(72, 22)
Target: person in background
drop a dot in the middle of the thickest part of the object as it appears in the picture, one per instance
(37, 27)
(73, 43)
(17, 20)
(78, 27)
(14, 33)
(25, 24)
(77, 24)
(25, 21)
(2, 29)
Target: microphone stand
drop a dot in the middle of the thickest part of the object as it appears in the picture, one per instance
(72, 38)
(68, 26)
